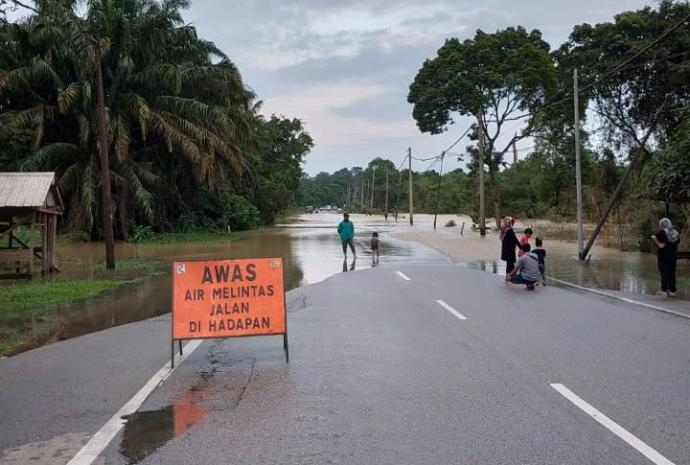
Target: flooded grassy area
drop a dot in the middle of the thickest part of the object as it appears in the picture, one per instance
(85, 297)
(32, 310)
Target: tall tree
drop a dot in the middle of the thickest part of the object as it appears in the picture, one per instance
(494, 78)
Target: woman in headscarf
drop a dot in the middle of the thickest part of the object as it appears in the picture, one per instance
(509, 242)
(666, 240)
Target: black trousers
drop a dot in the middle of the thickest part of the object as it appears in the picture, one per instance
(667, 271)
(351, 243)
(510, 264)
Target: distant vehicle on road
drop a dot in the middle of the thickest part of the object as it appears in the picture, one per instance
(308, 209)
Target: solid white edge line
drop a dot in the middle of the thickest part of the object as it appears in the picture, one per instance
(103, 436)
(403, 275)
(612, 426)
(613, 296)
(451, 309)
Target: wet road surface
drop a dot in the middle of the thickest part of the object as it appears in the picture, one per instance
(447, 366)
(309, 246)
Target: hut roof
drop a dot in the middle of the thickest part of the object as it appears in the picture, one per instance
(30, 191)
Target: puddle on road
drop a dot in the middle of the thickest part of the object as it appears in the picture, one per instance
(145, 432)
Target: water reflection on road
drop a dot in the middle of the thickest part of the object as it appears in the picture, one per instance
(309, 245)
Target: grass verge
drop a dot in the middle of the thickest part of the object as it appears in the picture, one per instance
(194, 236)
(33, 309)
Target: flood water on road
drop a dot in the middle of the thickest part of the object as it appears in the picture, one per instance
(309, 245)
(311, 252)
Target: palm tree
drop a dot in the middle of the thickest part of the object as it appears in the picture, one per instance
(177, 111)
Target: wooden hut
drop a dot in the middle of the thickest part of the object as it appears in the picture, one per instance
(28, 199)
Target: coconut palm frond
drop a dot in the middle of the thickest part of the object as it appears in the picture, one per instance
(141, 195)
(122, 139)
(89, 191)
(68, 97)
(50, 156)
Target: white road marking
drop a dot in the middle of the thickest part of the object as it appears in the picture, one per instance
(451, 309)
(403, 275)
(612, 426)
(617, 297)
(103, 436)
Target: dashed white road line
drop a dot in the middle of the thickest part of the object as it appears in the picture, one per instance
(103, 436)
(612, 426)
(403, 275)
(451, 309)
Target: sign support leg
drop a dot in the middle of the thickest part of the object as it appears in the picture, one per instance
(179, 341)
(287, 349)
(172, 354)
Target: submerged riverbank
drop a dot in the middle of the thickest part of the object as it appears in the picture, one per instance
(33, 310)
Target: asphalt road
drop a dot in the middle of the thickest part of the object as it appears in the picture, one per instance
(380, 373)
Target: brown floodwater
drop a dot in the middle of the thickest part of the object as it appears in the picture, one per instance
(311, 251)
(309, 246)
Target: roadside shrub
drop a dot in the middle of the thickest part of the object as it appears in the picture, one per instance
(238, 212)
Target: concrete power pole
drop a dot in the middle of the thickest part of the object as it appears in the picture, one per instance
(373, 183)
(385, 208)
(361, 201)
(578, 168)
(482, 212)
(409, 161)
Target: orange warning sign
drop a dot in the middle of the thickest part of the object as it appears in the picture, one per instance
(226, 298)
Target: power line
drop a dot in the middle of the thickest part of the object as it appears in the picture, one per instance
(608, 73)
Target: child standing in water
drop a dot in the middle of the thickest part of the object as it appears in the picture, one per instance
(541, 254)
(524, 240)
(375, 247)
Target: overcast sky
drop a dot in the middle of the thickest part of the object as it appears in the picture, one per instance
(344, 66)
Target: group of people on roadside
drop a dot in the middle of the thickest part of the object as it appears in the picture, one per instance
(529, 266)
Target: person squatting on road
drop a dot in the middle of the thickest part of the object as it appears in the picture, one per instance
(346, 229)
(539, 251)
(666, 240)
(509, 242)
(526, 269)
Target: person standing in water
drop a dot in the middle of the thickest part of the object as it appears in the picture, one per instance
(666, 240)
(375, 247)
(346, 229)
(509, 242)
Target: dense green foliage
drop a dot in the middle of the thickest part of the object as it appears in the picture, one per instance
(187, 145)
(635, 89)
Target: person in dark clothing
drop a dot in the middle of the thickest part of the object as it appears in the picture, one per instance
(666, 240)
(541, 254)
(509, 242)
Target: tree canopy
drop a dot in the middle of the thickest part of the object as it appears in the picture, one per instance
(183, 128)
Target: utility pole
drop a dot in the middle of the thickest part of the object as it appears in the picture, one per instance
(409, 165)
(438, 188)
(361, 201)
(373, 179)
(106, 192)
(578, 168)
(482, 213)
(385, 209)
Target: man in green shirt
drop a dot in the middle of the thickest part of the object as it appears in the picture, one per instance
(346, 229)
